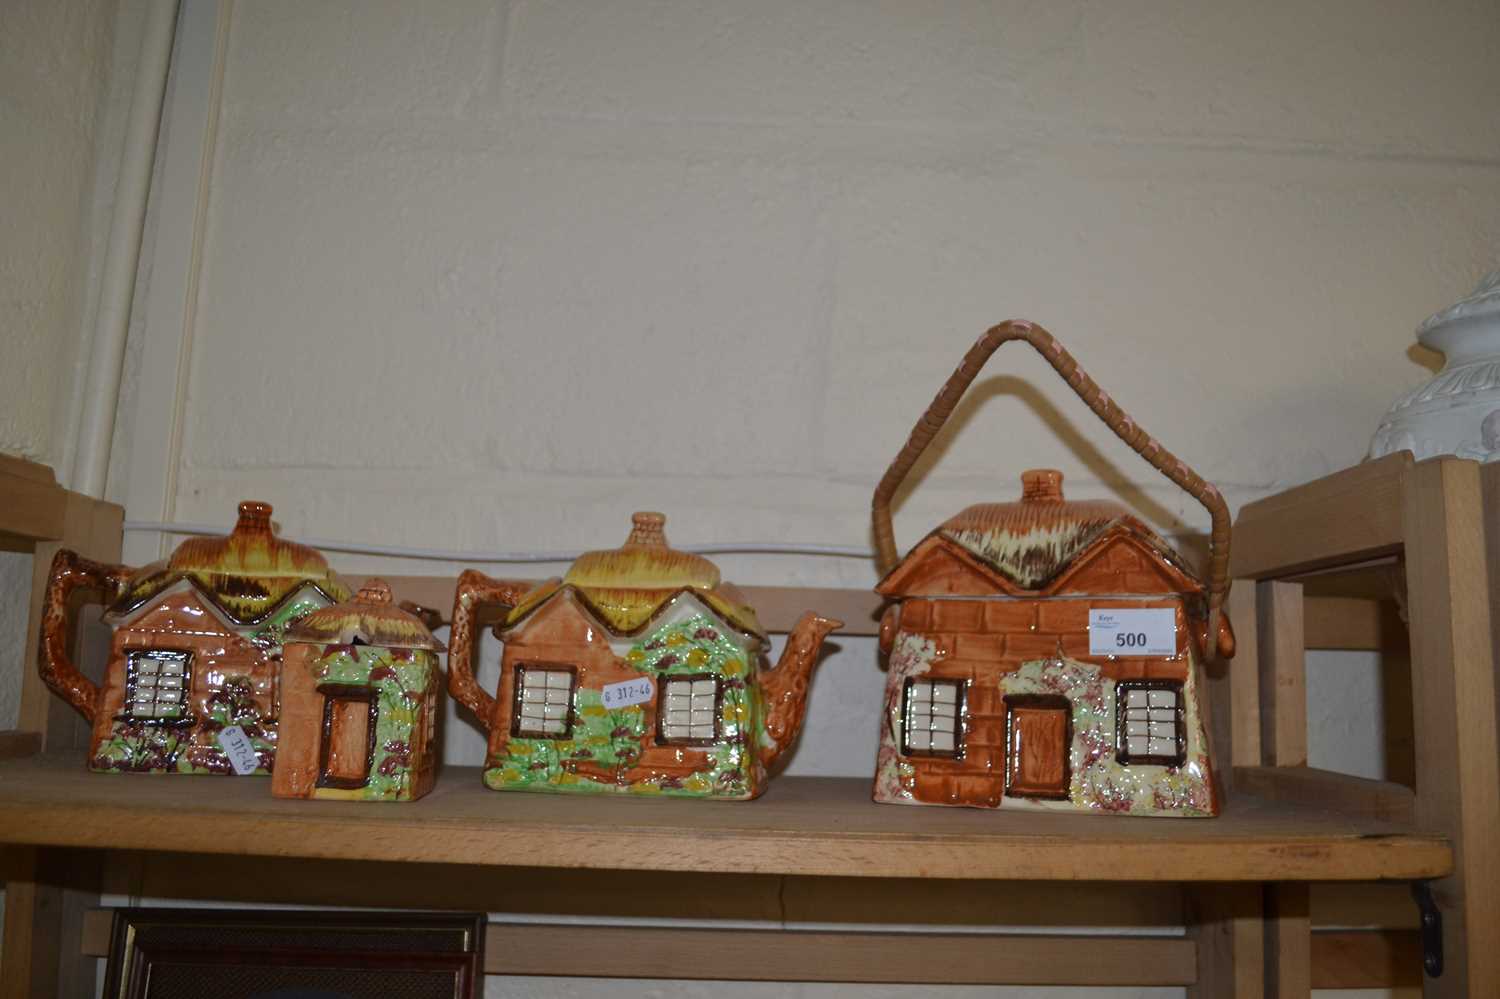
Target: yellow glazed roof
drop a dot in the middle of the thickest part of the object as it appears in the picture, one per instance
(246, 574)
(370, 618)
(625, 587)
(645, 561)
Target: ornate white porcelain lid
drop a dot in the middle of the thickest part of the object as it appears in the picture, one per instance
(1458, 411)
(1468, 328)
(1483, 301)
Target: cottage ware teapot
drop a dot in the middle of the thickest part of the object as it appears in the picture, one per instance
(639, 671)
(361, 692)
(1044, 653)
(192, 681)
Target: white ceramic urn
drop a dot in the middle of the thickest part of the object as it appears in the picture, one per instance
(1458, 412)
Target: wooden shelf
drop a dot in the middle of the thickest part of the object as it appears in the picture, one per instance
(809, 826)
(814, 853)
(1397, 552)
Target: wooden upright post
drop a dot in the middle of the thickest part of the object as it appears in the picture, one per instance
(1226, 922)
(1288, 942)
(1244, 680)
(1453, 700)
(47, 891)
(1428, 519)
(1283, 681)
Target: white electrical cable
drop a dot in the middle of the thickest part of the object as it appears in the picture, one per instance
(446, 555)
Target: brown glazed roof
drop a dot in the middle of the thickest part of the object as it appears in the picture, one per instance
(370, 617)
(246, 574)
(1034, 540)
(625, 587)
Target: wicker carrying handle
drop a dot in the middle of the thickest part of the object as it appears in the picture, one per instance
(1103, 406)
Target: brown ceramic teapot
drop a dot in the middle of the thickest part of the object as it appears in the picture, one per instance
(196, 649)
(639, 671)
(361, 689)
(1045, 653)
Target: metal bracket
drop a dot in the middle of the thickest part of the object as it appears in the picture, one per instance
(1432, 928)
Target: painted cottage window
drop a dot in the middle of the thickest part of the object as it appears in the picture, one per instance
(544, 701)
(1151, 729)
(930, 718)
(689, 711)
(156, 684)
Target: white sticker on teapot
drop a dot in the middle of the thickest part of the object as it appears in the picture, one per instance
(1133, 631)
(627, 692)
(241, 752)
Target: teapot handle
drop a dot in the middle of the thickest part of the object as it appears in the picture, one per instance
(69, 574)
(475, 590)
(1103, 406)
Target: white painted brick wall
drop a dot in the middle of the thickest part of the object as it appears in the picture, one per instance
(715, 259)
(65, 76)
(54, 60)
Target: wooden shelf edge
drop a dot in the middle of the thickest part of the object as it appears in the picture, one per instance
(15, 744)
(1310, 786)
(1351, 623)
(34, 503)
(804, 826)
(1350, 515)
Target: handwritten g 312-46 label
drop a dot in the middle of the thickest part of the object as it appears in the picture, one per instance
(241, 752)
(1133, 631)
(627, 692)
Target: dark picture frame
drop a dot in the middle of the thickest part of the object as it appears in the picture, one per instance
(166, 953)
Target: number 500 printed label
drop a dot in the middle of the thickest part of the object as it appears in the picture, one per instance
(1150, 631)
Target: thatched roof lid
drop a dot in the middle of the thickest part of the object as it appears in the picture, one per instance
(245, 574)
(625, 587)
(1032, 541)
(370, 618)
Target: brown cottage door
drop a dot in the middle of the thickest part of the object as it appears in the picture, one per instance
(348, 739)
(1038, 734)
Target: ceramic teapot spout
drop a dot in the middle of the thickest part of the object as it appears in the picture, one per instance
(785, 687)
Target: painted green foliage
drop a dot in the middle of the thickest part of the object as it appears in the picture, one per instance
(605, 743)
(144, 747)
(401, 678)
(270, 633)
